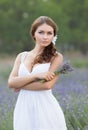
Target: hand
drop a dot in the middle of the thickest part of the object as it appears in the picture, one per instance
(46, 75)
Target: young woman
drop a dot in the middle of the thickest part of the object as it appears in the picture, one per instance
(36, 107)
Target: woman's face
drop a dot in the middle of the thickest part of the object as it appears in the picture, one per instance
(44, 35)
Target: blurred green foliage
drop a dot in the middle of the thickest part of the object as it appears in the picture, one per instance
(17, 16)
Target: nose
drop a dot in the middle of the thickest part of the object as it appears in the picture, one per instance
(45, 36)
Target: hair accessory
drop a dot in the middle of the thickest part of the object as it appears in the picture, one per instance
(54, 39)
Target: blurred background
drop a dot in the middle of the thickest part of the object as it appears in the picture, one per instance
(71, 17)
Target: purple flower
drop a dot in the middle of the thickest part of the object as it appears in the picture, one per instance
(65, 68)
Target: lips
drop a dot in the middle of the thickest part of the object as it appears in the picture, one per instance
(45, 41)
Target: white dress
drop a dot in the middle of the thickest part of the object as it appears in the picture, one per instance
(37, 110)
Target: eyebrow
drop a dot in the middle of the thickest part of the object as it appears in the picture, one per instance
(47, 31)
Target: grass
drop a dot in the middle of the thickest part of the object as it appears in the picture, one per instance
(77, 117)
(80, 63)
(77, 59)
(6, 120)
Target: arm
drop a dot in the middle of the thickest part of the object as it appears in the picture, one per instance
(56, 63)
(16, 81)
(35, 86)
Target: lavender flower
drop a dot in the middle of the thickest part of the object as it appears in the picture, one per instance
(64, 69)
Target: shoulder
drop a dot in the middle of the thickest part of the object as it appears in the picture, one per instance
(21, 54)
(56, 61)
(18, 57)
(58, 58)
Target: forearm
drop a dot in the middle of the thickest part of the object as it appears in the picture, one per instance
(36, 86)
(19, 82)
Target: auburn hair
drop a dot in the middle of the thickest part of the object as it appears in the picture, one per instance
(50, 51)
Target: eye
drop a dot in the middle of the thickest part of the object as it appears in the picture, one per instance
(40, 32)
(49, 33)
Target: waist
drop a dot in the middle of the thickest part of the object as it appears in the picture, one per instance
(35, 92)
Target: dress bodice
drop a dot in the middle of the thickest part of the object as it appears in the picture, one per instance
(23, 71)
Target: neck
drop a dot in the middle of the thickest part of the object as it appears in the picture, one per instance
(37, 50)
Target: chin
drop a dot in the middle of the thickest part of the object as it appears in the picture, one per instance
(45, 44)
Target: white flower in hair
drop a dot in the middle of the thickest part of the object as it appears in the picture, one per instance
(54, 39)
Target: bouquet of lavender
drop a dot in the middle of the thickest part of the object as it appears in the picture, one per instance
(64, 69)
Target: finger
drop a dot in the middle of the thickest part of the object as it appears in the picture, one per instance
(50, 77)
(53, 74)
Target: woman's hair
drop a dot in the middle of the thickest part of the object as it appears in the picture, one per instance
(50, 50)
